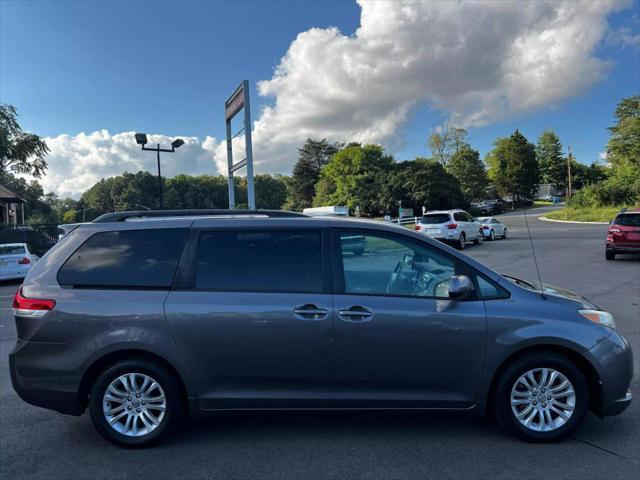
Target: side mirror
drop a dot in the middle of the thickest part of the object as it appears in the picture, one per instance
(460, 287)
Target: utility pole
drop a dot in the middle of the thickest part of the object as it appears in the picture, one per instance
(569, 190)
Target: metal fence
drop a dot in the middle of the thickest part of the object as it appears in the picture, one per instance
(404, 220)
(39, 238)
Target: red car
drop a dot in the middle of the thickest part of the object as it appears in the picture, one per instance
(623, 235)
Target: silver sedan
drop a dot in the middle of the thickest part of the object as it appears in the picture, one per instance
(492, 228)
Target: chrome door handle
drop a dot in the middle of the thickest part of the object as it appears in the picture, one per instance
(355, 314)
(310, 312)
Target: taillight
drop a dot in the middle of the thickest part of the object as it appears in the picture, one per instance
(31, 307)
(24, 261)
(418, 227)
(452, 226)
(614, 230)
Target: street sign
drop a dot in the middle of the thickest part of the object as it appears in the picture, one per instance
(235, 103)
(238, 101)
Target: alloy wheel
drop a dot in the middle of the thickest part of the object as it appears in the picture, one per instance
(543, 399)
(134, 404)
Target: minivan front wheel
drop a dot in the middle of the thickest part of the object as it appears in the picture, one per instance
(135, 403)
(541, 397)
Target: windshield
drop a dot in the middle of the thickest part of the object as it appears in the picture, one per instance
(628, 220)
(11, 250)
(435, 218)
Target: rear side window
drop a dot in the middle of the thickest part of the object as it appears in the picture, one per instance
(435, 218)
(260, 260)
(129, 258)
(628, 220)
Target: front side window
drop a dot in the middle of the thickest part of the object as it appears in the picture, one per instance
(391, 265)
(127, 258)
(260, 260)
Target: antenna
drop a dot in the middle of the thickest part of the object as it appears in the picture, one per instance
(533, 250)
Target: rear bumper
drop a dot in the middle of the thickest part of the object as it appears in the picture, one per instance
(622, 248)
(613, 360)
(42, 387)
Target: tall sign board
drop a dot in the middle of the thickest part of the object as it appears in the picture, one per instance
(238, 101)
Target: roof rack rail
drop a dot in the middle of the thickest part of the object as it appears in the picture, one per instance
(123, 216)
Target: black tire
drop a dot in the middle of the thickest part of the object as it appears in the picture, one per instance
(492, 235)
(502, 396)
(173, 416)
(479, 239)
(609, 254)
(504, 234)
(462, 242)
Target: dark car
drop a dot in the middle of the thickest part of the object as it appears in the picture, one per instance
(147, 317)
(623, 235)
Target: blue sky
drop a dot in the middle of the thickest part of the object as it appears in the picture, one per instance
(166, 68)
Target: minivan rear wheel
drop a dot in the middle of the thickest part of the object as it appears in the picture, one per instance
(135, 403)
(541, 397)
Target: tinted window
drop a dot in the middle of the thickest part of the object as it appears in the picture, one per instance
(394, 266)
(257, 260)
(628, 220)
(435, 218)
(11, 250)
(129, 258)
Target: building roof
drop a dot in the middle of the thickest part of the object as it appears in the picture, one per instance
(9, 196)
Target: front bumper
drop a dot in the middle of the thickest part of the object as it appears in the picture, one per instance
(613, 360)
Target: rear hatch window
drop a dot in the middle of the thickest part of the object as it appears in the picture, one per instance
(628, 220)
(12, 250)
(435, 218)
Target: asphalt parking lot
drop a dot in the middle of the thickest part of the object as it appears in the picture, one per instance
(36, 443)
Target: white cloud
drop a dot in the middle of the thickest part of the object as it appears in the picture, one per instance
(477, 62)
(77, 162)
(623, 37)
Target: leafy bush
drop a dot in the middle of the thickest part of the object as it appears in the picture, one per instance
(610, 192)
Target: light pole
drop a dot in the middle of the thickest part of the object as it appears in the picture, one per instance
(141, 139)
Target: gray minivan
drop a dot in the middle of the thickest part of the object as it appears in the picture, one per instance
(145, 317)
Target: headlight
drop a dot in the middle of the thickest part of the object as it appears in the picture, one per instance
(598, 316)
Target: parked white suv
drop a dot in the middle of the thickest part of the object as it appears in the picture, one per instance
(452, 226)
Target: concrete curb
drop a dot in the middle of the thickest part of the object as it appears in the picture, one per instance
(545, 219)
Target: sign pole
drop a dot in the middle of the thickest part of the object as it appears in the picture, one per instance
(251, 196)
(239, 100)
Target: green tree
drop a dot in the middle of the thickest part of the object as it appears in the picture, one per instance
(314, 155)
(38, 206)
(515, 168)
(70, 216)
(466, 166)
(551, 162)
(356, 177)
(445, 143)
(20, 152)
(623, 148)
(421, 182)
(271, 191)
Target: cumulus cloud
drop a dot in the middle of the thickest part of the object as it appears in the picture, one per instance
(477, 62)
(77, 162)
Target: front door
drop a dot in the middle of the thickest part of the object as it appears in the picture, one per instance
(255, 327)
(399, 340)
